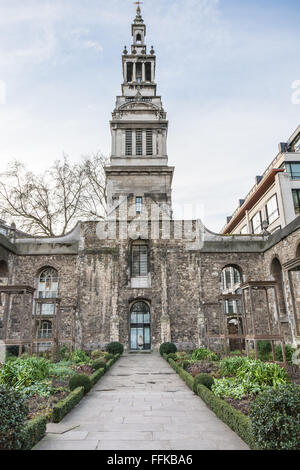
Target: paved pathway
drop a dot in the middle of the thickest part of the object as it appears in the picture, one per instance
(140, 404)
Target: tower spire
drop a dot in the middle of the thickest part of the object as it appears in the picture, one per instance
(138, 9)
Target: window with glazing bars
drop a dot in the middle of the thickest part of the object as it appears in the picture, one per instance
(128, 142)
(139, 260)
(272, 210)
(139, 142)
(149, 142)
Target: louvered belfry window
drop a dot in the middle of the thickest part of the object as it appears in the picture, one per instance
(139, 142)
(128, 142)
(149, 142)
(139, 260)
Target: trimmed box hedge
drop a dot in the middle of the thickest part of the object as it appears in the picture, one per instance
(236, 420)
(33, 432)
(97, 376)
(64, 406)
(189, 380)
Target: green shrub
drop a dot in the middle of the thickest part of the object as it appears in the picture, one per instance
(167, 348)
(64, 352)
(203, 379)
(289, 351)
(109, 356)
(34, 430)
(99, 364)
(97, 376)
(80, 380)
(115, 348)
(203, 353)
(251, 377)
(184, 364)
(172, 356)
(79, 356)
(25, 372)
(264, 349)
(275, 417)
(67, 404)
(97, 354)
(237, 352)
(230, 365)
(13, 413)
(236, 420)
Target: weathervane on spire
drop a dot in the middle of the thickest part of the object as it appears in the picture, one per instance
(138, 10)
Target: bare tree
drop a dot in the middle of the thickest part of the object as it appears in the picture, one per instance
(49, 204)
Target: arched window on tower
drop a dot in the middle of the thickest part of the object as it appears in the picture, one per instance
(138, 38)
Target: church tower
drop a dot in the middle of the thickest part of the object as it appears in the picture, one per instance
(138, 169)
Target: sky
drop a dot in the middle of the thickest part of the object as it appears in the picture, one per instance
(228, 72)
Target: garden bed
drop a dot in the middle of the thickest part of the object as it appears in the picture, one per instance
(44, 391)
(244, 393)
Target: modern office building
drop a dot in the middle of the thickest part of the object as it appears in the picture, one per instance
(274, 200)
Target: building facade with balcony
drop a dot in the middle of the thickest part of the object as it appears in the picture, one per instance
(274, 200)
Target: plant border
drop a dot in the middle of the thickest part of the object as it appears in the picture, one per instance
(35, 429)
(237, 421)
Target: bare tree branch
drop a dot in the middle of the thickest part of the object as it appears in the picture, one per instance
(51, 203)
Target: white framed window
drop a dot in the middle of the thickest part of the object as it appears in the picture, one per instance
(45, 330)
(272, 210)
(256, 223)
(48, 284)
(233, 306)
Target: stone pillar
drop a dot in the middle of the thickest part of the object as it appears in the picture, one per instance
(143, 72)
(144, 142)
(2, 352)
(152, 71)
(114, 328)
(164, 142)
(165, 318)
(165, 328)
(154, 142)
(125, 72)
(133, 142)
(134, 72)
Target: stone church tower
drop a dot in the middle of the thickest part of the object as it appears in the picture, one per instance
(152, 278)
(139, 170)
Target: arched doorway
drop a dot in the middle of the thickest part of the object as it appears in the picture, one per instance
(140, 338)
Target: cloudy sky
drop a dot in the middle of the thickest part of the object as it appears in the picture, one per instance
(225, 71)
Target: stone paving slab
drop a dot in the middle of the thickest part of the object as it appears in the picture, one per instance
(141, 404)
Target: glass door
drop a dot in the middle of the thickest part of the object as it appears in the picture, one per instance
(140, 338)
